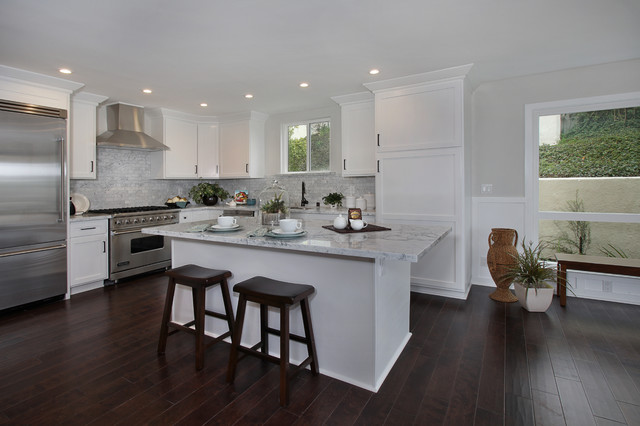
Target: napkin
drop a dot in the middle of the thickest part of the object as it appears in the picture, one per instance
(198, 228)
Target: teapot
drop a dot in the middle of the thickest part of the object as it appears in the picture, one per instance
(340, 222)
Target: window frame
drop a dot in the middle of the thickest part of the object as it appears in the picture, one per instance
(284, 144)
(531, 166)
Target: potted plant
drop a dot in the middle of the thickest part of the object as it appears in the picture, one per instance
(531, 272)
(208, 193)
(334, 199)
(273, 208)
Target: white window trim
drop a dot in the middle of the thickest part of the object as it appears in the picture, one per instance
(284, 145)
(532, 113)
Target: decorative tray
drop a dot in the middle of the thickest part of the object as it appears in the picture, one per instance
(369, 228)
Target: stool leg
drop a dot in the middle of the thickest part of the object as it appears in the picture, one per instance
(264, 324)
(166, 316)
(308, 331)
(235, 339)
(284, 355)
(228, 309)
(198, 295)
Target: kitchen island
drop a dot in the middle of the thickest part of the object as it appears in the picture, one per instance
(360, 311)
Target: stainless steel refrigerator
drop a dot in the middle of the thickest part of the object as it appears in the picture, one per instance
(33, 203)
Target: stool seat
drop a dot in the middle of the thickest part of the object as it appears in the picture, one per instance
(281, 295)
(274, 291)
(199, 279)
(197, 275)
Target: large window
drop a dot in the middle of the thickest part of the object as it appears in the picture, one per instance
(307, 147)
(585, 176)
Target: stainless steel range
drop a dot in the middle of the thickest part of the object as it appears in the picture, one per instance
(130, 251)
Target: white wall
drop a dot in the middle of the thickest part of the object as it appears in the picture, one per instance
(498, 147)
(272, 136)
(498, 117)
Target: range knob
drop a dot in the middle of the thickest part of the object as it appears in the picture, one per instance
(158, 219)
(142, 220)
(151, 219)
(126, 221)
(135, 220)
(164, 217)
(118, 222)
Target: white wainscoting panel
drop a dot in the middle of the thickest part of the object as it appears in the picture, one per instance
(487, 213)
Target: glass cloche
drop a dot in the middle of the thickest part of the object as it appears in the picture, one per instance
(274, 204)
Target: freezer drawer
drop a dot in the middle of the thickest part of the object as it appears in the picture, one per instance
(32, 274)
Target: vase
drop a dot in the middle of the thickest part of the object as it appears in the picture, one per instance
(210, 201)
(534, 299)
(501, 257)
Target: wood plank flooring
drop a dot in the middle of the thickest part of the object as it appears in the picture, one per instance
(92, 360)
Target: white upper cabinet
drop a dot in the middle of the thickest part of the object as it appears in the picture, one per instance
(242, 146)
(358, 134)
(82, 141)
(208, 165)
(180, 132)
(420, 116)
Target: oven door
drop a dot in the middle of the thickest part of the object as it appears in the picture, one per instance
(133, 252)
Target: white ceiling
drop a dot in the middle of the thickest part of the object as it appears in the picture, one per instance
(215, 51)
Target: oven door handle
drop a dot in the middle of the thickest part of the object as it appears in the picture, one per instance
(133, 231)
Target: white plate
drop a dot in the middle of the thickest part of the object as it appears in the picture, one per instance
(284, 235)
(224, 228)
(81, 203)
(281, 232)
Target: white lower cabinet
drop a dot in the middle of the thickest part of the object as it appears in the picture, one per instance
(88, 254)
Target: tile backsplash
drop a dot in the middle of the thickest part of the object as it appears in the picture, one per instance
(124, 180)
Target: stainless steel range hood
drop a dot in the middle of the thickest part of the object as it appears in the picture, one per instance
(125, 129)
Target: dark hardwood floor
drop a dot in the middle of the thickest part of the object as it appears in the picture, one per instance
(92, 360)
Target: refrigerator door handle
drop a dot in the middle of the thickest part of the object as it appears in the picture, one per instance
(63, 198)
(16, 253)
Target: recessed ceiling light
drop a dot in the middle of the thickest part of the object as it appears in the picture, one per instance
(147, 91)
(65, 70)
(374, 71)
(204, 104)
(304, 84)
(248, 96)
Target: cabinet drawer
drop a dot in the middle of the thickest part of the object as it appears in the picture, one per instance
(88, 227)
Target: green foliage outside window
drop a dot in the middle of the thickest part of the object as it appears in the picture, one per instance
(597, 144)
(316, 151)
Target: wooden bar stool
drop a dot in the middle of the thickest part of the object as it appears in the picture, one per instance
(282, 295)
(199, 279)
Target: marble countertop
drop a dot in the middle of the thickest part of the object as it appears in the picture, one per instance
(402, 242)
(88, 216)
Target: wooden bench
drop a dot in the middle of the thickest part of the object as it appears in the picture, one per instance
(607, 265)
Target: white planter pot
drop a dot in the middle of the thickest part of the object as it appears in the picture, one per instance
(534, 300)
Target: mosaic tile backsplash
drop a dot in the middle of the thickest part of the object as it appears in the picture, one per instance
(124, 180)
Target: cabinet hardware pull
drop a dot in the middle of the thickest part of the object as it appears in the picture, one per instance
(217, 169)
(91, 166)
(196, 169)
(246, 168)
(344, 164)
(378, 139)
(378, 166)
(86, 229)
(104, 246)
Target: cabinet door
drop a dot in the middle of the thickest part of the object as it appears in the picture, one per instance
(181, 137)
(428, 116)
(208, 151)
(82, 144)
(234, 149)
(88, 259)
(358, 140)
